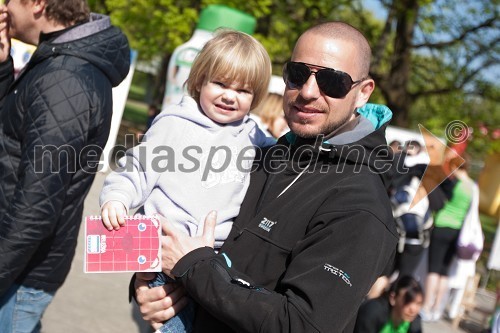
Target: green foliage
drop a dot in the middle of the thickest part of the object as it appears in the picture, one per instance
(136, 113)
(444, 83)
(155, 26)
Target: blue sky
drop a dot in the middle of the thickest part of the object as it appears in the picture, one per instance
(374, 6)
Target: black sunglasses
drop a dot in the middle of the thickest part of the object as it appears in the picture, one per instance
(331, 82)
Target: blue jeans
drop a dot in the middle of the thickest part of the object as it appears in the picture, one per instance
(182, 322)
(21, 309)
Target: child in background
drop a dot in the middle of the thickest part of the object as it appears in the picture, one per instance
(270, 115)
(394, 312)
(197, 155)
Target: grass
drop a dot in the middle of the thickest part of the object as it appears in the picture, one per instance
(136, 109)
(136, 112)
(137, 92)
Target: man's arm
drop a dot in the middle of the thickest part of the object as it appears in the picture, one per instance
(54, 135)
(329, 273)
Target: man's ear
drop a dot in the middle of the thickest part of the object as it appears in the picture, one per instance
(365, 91)
(392, 298)
(39, 6)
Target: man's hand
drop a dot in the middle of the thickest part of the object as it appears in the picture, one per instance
(176, 244)
(158, 304)
(4, 34)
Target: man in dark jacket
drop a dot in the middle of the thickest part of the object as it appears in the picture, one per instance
(315, 229)
(55, 121)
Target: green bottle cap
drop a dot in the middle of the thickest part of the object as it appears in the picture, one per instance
(217, 16)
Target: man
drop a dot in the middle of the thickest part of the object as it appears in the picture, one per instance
(315, 229)
(55, 121)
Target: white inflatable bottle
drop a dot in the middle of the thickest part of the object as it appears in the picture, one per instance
(211, 18)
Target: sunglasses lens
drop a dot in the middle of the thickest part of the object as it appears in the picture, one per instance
(333, 84)
(296, 74)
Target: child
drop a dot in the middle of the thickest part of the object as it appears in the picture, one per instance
(197, 155)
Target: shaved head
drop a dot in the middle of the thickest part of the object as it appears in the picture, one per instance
(347, 33)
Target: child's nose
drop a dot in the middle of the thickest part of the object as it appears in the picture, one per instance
(229, 94)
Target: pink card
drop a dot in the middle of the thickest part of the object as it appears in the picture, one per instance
(135, 247)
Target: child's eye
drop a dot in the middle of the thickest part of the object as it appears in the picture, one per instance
(245, 91)
(219, 83)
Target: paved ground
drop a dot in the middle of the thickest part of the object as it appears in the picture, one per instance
(98, 303)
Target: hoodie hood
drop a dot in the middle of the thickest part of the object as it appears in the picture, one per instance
(97, 42)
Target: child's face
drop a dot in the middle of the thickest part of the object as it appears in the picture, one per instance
(224, 101)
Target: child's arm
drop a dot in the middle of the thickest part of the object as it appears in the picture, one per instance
(138, 172)
(113, 214)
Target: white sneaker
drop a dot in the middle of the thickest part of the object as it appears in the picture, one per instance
(436, 315)
(426, 315)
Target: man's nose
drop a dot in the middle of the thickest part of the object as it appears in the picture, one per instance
(310, 89)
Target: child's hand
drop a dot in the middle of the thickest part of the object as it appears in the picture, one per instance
(113, 214)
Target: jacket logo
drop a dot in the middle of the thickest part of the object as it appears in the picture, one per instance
(266, 224)
(338, 272)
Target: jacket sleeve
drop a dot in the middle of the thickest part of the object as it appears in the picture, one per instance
(6, 78)
(328, 274)
(55, 130)
(141, 167)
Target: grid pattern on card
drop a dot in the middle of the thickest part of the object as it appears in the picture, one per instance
(135, 247)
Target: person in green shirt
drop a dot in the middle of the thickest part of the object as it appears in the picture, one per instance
(397, 311)
(447, 224)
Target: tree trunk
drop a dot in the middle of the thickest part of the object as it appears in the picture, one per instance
(394, 85)
(161, 81)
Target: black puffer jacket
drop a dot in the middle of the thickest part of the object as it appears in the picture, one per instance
(55, 120)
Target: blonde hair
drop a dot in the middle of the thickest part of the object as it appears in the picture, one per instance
(270, 109)
(234, 56)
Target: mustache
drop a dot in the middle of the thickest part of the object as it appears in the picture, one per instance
(300, 102)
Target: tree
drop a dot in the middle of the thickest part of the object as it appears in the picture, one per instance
(156, 27)
(430, 56)
(429, 48)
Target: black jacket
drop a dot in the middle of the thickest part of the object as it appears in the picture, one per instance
(55, 121)
(308, 243)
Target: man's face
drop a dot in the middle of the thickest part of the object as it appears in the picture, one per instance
(308, 111)
(21, 19)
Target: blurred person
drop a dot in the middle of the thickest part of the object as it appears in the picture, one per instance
(153, 111)
(397, 311)
(309, 240)
(412, 147)
(229, 77)
(396, 147)
(411, 210)
(269, 115)
(443, 246)
(56, 118)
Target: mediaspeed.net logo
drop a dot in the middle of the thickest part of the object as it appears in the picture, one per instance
(439, 153)
(223, 163)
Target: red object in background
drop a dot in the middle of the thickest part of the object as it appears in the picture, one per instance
(135, 247)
